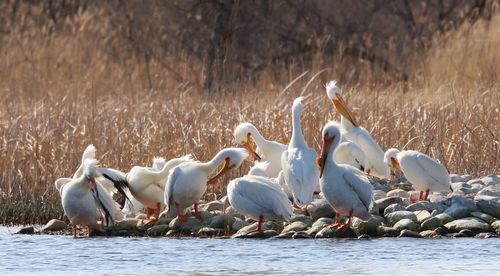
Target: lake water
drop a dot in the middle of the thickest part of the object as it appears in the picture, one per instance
(46, 254)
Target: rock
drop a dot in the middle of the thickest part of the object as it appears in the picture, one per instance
(213, 206)
(486, 235)
(211, 232)
(320, 209)
(295, 227)
(231, 211)
(393, 208)
(172, 233)
(394, 217)
(489, 207)
(257, 235)
(29, 230)
(192, 225)
(385, 231)
(456, 178)
(496, 225)
(414, 196)
(467, 233)
(140, 216)
(428, 233)
(459, 235)
(302, 218)
(157, 230)
(223, 221)
(163, 221)
(128, 222)
(398, 192)
(301, 235)
(224, 200)
(487, 218)
(364, 237)
(456, 211)
(407, 224)
(323, 222)
(474, 181)
(490, 191)
(491, 180)
(55, 225)
(238, 224)
(431, 223)
(471, 223)
(382, 203)
(314, 230)
(441, 231)
(444, 218)
(426, 205)
(409, 234)
(485, 197)
(367, 226)
(455, 186)
(378, 194)
(422, 215)
(287, 235)
(328, 232)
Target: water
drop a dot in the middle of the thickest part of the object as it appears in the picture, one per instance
(46, 254)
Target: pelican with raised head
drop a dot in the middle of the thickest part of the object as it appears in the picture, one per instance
(188, 182)
(374, 154)
(424, 173)
(346, 189)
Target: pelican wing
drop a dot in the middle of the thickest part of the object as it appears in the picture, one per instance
(373, 153)
(301, 172)
(105, 204)
(169, 189)
(360, 184)
(119, 180)
(433, 170)
(61, 182)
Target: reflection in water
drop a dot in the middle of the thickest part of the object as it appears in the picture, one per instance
(48, 254)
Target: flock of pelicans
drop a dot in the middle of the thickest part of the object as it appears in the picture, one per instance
(282, 178)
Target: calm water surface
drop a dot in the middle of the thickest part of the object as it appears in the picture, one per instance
(45, 254)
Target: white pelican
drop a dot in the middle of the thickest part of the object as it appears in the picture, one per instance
(82, 198)
(188, 182)
(374, 154)
(298, 162)
(260, 198)
(350, 153)
(271, 151)
(423, 172)
(344, 187)
(147, 185)
(260, 169)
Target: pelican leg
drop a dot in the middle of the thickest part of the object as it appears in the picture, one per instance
(197, 213)
(74, 230)
(259, 226)
(337, 221)
(89, 230)
(347, 225)
(148, 213)
(426, 194)
(180, 217)
(421, 197)
(158, 209)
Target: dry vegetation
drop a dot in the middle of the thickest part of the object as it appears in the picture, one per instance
(61, 92)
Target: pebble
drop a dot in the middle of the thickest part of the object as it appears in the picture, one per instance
(55, 225)
(470, 223)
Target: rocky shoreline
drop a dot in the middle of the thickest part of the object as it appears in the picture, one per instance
(472, 210)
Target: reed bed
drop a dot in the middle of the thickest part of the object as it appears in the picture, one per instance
(60, 94)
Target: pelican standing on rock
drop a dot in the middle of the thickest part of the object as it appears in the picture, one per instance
(298, 162)
(82, 198)
(271, 151)
(352, 131)
(344, 187)
(188, 182)
(423, 172)
(259, 197)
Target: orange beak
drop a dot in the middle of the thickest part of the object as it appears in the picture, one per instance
(324, 154)
(249, 147)
(224, 169)
(395, 163)
(342, 108)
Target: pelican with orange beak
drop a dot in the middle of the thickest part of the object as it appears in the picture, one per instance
(424, 173)
(188, 181)
(271, 151)
(346, 188)
(351, 131)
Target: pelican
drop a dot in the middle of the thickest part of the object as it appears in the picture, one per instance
(423, 172)
(88, 153)
(260, 198)
(298, 162)
(344, 187)
(83, 197)
(188, 182)
(271, 151)
(260, 169)
(374, 154)
(350, 153)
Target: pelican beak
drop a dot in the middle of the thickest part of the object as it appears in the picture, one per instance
(324, 154)
(224, 169)
(342, 108)
(395, 163)
(248, 145)
(92, 184)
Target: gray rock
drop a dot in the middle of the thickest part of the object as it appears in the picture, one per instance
(474, 181)
(268, 225)
(172, 233)
(320, 209)
(489, 207)
(192, 225)
(29, 230)
(398, 192)
(491, 180)
(441, 231)
(367, 226)
(490, 191)
(301, 235)
(157, 230)
(455, 186)
(231, 211)
(455, 178)
(428, 233)
(287, 235)
(496, 225)
(55, 225)
(467, 233)
(163, 221)
(266, 234)
(471, 223)
(381, 187)
(407, 224)
(323, 222)
(211, 232)
(456, 211)
(465, 202)
(431, 223)
(385, 231)
(295, 227)
(128, 222)
(213, 206)
(393, 208)
(314, 230)
(426, 205)
(422, 215)
(444, 218)
(378, 194)
(382, 203)
(223, 221)
(302, 218)
(394, 217)
(238, 224)
(485, 197)
(328, 232)
(486, 235)
(487, 218)
(409, 234)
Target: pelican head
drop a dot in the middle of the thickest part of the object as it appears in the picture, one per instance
(243, 135)
(390, 158)
(90, 170)
(259, 169)
(158, 163)
(335, 94)
(233, 158)
(331, 139)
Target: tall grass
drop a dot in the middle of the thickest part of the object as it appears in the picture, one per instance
(61, 93)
